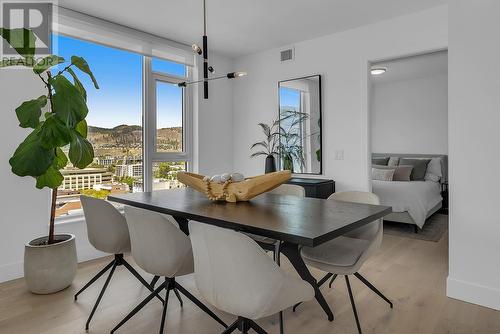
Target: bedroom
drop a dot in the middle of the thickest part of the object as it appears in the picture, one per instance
(409, 142)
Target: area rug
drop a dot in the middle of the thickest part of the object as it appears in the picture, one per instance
(433, 230)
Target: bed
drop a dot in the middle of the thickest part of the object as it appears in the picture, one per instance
(412, 202)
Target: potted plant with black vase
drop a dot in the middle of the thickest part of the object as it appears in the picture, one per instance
(269, 146)
(56, 120)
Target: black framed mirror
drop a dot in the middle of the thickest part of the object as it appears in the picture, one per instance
(299, 103)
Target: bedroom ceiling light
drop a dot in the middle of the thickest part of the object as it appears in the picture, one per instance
(207, 68)
(378, 70)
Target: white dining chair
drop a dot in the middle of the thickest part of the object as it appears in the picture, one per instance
(346, 254)
(107, 231)
(235, 275)
(160, 248)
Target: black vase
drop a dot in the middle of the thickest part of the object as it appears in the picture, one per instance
(270, 164)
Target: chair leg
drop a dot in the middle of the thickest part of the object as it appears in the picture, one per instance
(374, 289)
(141, 279)
(164, 313)
(199, 304)
(100, 295)
(255, 327)
(178, 297)
(352, 303)
(320, 283)
(95, 278)
(154, 280)
(282, 325)
(140, 306)
(331, 282)
(231, 328)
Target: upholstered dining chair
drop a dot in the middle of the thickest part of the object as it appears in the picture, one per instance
(160, 248)
(346, 254)
(235, 275)
(107, 231)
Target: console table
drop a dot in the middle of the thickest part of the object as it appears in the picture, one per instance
(316, 188)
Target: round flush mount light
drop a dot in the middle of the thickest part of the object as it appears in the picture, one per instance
(378, 70)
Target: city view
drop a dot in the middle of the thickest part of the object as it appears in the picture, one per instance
(115, 112)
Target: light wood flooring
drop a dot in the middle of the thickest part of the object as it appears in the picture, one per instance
(410, 272)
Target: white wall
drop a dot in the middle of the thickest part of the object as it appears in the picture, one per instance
(215, 121)
(410, 116)
(474, 137)
(24, 210)
(342, 60)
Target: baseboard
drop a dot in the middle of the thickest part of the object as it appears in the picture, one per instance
(473, 293)
(13, 271)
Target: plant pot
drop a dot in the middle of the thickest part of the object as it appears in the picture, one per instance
(50, 268)
(270, 164)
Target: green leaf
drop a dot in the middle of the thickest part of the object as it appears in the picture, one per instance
(82, 128)
(67, 103)
(47, 63)
(52, 178)
(54, 133)
(81, 153)
(21, 39)
(31, 158)
(61, 160)
(78, 84)
(83, 66)
(29, 112)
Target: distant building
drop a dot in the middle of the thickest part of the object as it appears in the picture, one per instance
(133, 170)
(78, 179)
(105, 161)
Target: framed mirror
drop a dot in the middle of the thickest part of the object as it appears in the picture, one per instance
(300, 125)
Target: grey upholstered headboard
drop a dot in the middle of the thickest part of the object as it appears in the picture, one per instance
(444, 159)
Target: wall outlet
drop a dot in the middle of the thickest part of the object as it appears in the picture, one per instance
(339, 155)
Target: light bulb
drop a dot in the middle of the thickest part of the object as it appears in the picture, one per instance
(197, 49)
(378, 71)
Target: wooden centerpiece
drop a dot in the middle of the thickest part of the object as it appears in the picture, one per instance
(230, 191)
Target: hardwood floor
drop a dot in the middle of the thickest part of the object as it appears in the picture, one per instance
(412, 273)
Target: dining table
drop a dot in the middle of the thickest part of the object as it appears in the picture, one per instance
(294, 221)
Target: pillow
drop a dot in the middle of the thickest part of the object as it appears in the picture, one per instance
(382, 174)
(419, 167)
(380, 161)
(401, 173)
(393, 161)
(434, 171)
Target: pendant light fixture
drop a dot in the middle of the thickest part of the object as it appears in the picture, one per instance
(206, 67)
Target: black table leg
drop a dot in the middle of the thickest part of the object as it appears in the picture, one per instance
(292, 252)
(183, 224)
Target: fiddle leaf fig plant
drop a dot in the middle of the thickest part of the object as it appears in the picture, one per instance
(57, 118)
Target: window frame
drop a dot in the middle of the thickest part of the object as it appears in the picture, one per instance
(150, 155)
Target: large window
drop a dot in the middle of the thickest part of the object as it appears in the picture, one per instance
(118, 125)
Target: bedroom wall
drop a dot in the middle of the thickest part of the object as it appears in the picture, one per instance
(410, 116)
(342, 60)
(474, 117)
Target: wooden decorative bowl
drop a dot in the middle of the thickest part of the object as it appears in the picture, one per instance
(234, 191)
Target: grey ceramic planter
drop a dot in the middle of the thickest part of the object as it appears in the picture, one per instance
(50, 268)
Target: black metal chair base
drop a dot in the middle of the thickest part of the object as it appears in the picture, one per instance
(351, 297)
(244, 325)
(168, 285)
(117, 261)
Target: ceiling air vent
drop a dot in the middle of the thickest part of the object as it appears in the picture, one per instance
(287, 55)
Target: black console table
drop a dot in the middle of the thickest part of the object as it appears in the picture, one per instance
(316, 188)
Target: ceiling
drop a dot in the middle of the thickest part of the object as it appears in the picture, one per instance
(238, 27)
(412, 67)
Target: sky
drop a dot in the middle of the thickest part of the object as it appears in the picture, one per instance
(119, 74)
(289, 97)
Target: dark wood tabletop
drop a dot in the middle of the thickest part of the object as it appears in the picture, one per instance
(302, 221)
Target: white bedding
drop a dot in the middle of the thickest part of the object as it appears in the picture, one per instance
(416, 197)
